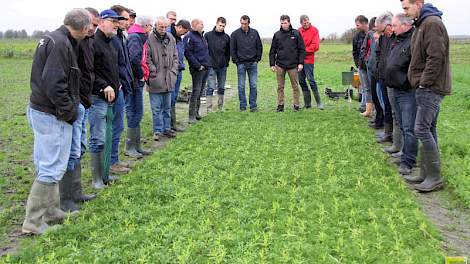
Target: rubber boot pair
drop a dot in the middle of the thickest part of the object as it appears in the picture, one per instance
(70, 189)
(99, 180)
(133, 144)
(397, 138)
(431, 172)
(42, 208)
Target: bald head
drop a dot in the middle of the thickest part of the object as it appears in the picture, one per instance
(197, 25)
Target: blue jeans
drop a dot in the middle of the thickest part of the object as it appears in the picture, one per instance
(252, 70)
(428, 107)
(365, 88)
(216, 77)
(176, 91)
(375, 98)
(97, 118)
(308, 73)
(135, 106)
(388, 116)
(406, 111)
(380, 95)
(76, 147)
(83, 136)
(52, 141)
(161, 111)
(118, 125)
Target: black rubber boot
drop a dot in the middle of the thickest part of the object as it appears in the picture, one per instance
(77, 190)
(433, 180)
(67, 203)
(307, 99)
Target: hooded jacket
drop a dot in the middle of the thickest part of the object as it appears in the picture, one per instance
(55, 76)
(105, 65)
(398, 62)
(311, 41)
(245, 47)
(219, 48)
(430, 65)
(287, 49)
(85, 63)
(196, 50)
(162, 60)
(135, 43)
(126, 77)
(179, 47)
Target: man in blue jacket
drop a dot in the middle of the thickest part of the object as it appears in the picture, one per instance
(53, 108)
(246, 50)
(196, 52)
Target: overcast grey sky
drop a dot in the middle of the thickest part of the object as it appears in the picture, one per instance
(328, 16)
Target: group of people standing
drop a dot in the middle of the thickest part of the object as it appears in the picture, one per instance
(403, 63)
(95, 68)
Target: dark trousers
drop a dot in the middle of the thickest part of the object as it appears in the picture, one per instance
(379, 117)
(199, 81)
(406, 110)
(428, 107)
(388, 116)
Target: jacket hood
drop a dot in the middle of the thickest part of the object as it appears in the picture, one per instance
(136, 29)
(429, 10)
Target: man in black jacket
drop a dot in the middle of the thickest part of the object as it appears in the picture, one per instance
(105, 90)
(361, 32)
(127, 87)
(55, 84)
(287, 54)
(219, 50)
(396, 78)
(384, 27)
(70, 186)
(246, 50)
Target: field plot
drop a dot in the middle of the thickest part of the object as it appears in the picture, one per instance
(241, 187)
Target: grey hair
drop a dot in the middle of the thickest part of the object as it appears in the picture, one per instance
(77, 19)
(384, 19)
(404, 19)
(303, 18)
(161, 19)
(143, 20)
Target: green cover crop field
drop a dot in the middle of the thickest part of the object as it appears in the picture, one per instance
(241, 187)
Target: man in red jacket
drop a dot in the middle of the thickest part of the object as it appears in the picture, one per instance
(312, 44)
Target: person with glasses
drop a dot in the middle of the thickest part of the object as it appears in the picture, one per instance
(105, 91)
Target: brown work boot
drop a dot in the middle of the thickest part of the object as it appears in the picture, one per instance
(118, 169)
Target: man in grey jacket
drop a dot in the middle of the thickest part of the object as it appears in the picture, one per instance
(162, 60)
